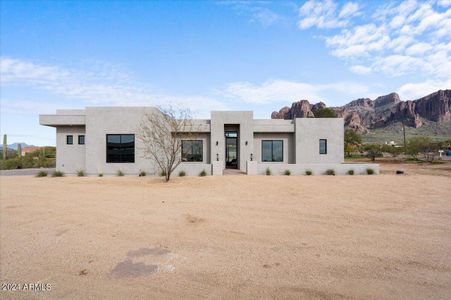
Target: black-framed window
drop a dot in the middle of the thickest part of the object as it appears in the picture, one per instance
(69, 139)
(81, 139)
(120, 148)
(322, 146)
(192, 150)
(272, 151)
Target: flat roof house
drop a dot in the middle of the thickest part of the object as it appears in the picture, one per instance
(105, 139)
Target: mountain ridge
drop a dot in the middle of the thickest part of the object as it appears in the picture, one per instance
(364, 114)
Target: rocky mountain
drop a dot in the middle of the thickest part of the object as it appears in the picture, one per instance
(15, 145)
(365, 114)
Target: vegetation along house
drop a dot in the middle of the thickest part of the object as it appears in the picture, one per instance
(106, 140)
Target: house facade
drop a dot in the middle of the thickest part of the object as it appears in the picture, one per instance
(106, 140)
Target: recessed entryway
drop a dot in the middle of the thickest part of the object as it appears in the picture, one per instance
(231, 150)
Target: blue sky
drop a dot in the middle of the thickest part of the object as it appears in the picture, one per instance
(214, 55)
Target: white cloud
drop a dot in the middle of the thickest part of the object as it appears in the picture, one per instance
(102, 89)
(358, 69)
(348, 10)
(413, 91)
(257, 11)
(284, 91)
(444, 3)
(264, 16)
(324, 14)
(418, 49)
(399, 38)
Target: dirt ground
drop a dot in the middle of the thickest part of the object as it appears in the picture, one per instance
(230, 237)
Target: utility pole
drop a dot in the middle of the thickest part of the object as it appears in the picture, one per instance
(404, 134)
(5, 149)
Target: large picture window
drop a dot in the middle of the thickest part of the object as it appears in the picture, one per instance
(120, 148)
(322, 146)
(192, 150)
(272, 151)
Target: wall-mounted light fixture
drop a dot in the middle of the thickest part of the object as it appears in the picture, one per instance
(217, 157)
(245, 143)
(252, 156)
(217, 143)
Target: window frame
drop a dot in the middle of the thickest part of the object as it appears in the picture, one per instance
(120, 154)
(192, 145)
(272, 151)
(325, 147)
(81, 136)
(71, 139)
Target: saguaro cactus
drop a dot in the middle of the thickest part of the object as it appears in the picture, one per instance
(19, 150)
(4, 146)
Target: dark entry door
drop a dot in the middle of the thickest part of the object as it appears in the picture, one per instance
(231, 151)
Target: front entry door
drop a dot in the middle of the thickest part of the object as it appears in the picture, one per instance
(231, 150)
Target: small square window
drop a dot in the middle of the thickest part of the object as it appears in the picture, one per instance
(81, 139)
(322, 146)
(69, 139)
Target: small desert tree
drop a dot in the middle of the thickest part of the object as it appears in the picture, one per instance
(352, 139)
(423, 145)
(373, 151)
(160, 132)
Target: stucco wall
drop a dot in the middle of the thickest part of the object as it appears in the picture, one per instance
(101, 121)
(70, 158)
(288, 146)
(308, 133)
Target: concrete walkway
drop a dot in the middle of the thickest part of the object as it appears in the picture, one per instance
(25, 172)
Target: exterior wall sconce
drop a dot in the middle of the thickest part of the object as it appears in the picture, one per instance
(217, 143)
(245, 143)
(217, 156)
(252, 156)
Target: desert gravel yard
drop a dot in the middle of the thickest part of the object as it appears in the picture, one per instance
(270, 237)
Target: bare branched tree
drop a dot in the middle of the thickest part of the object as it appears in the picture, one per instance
(160, 133)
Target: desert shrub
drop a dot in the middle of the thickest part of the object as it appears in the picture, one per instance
(163, 173)
(308, 172)
(41, 174)
(203, 173)
(369, 171)
(120, 173)
(182, 173)
(423, 145)
(80, 173)
(330, 172)
(287, 172)
(373, 151)
(350, 172)
(325, 112)
(100, 174)
(142, 173)
(268, 171)
(58, 174)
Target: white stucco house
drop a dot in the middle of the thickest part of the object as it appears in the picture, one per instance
(105, 139)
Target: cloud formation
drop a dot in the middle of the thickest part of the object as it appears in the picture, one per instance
(326, 14)
(284, 91)
(93, 88)
(398, 38)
